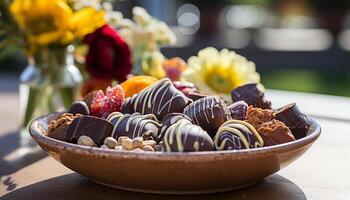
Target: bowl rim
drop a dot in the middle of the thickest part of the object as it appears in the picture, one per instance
(39, 137)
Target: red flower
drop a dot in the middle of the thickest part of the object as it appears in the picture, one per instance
(108, 56)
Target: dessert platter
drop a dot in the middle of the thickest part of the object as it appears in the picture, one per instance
(160, 136)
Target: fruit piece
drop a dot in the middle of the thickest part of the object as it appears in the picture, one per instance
(174, 67)
(185, 87)
(104, 104)
(189, 89)
(137, 83)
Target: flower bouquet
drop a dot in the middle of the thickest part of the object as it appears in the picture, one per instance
(113, 50)
(47, 31)
(211, 71)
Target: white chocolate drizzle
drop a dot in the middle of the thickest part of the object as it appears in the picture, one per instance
(205, 106)
(158, 99)
(138, 121)
(176, 132)
(240, 132)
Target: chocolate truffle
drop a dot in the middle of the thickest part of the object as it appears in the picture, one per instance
(183, 136)
(237, 134)
(171, 119)
(96, 128)
(238, 110)
(58, 127)
(251, 94)
(275, 132)
(294, 119)
(135, 125)
(209, 113)
(258, 116)
(159, 99)
(79, 107)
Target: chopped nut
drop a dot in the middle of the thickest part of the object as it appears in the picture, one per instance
(85, 141)
(110, 142)
(137, 150)
(118, 148)
(158, 147)
(104, 146)
(151, 143)
(121, 139)
(147, 148)
(137, 142)
(127, 144)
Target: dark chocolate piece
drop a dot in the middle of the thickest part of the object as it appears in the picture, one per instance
(135, 125)
(96, 128)
(171, 119)
(238, 110)
(275, 132)
(237, 134)
(183, 136)
(294, 119)
(159, 99)
(252, 95)
(209, 113)
(79, 107)
(58, 127)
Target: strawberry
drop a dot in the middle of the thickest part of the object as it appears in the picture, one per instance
(104, 104)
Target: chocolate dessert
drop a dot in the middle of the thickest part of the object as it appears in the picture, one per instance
(171, 119)
(159, 99)
(275, 132)
(96, 128)
(258, 116)
(238, 110)
(237, 134)
(57, 128)
(252, 95)
(294, 119)
(79, 107)
(135, 125)
(183, 136)
(162, 117)
(209, 113)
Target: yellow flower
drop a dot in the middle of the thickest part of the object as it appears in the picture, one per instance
(52, 21)
(87, 20)
(218, 73)
(43, 21)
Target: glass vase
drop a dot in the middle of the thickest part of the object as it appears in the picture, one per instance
(49, 83)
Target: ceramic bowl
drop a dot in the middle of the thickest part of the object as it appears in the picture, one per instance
(172, 173)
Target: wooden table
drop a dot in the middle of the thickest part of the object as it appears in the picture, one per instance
(322, 173)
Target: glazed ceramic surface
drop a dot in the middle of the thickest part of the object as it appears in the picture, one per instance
(172, 173)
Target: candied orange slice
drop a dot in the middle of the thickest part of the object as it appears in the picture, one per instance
(137, 83)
